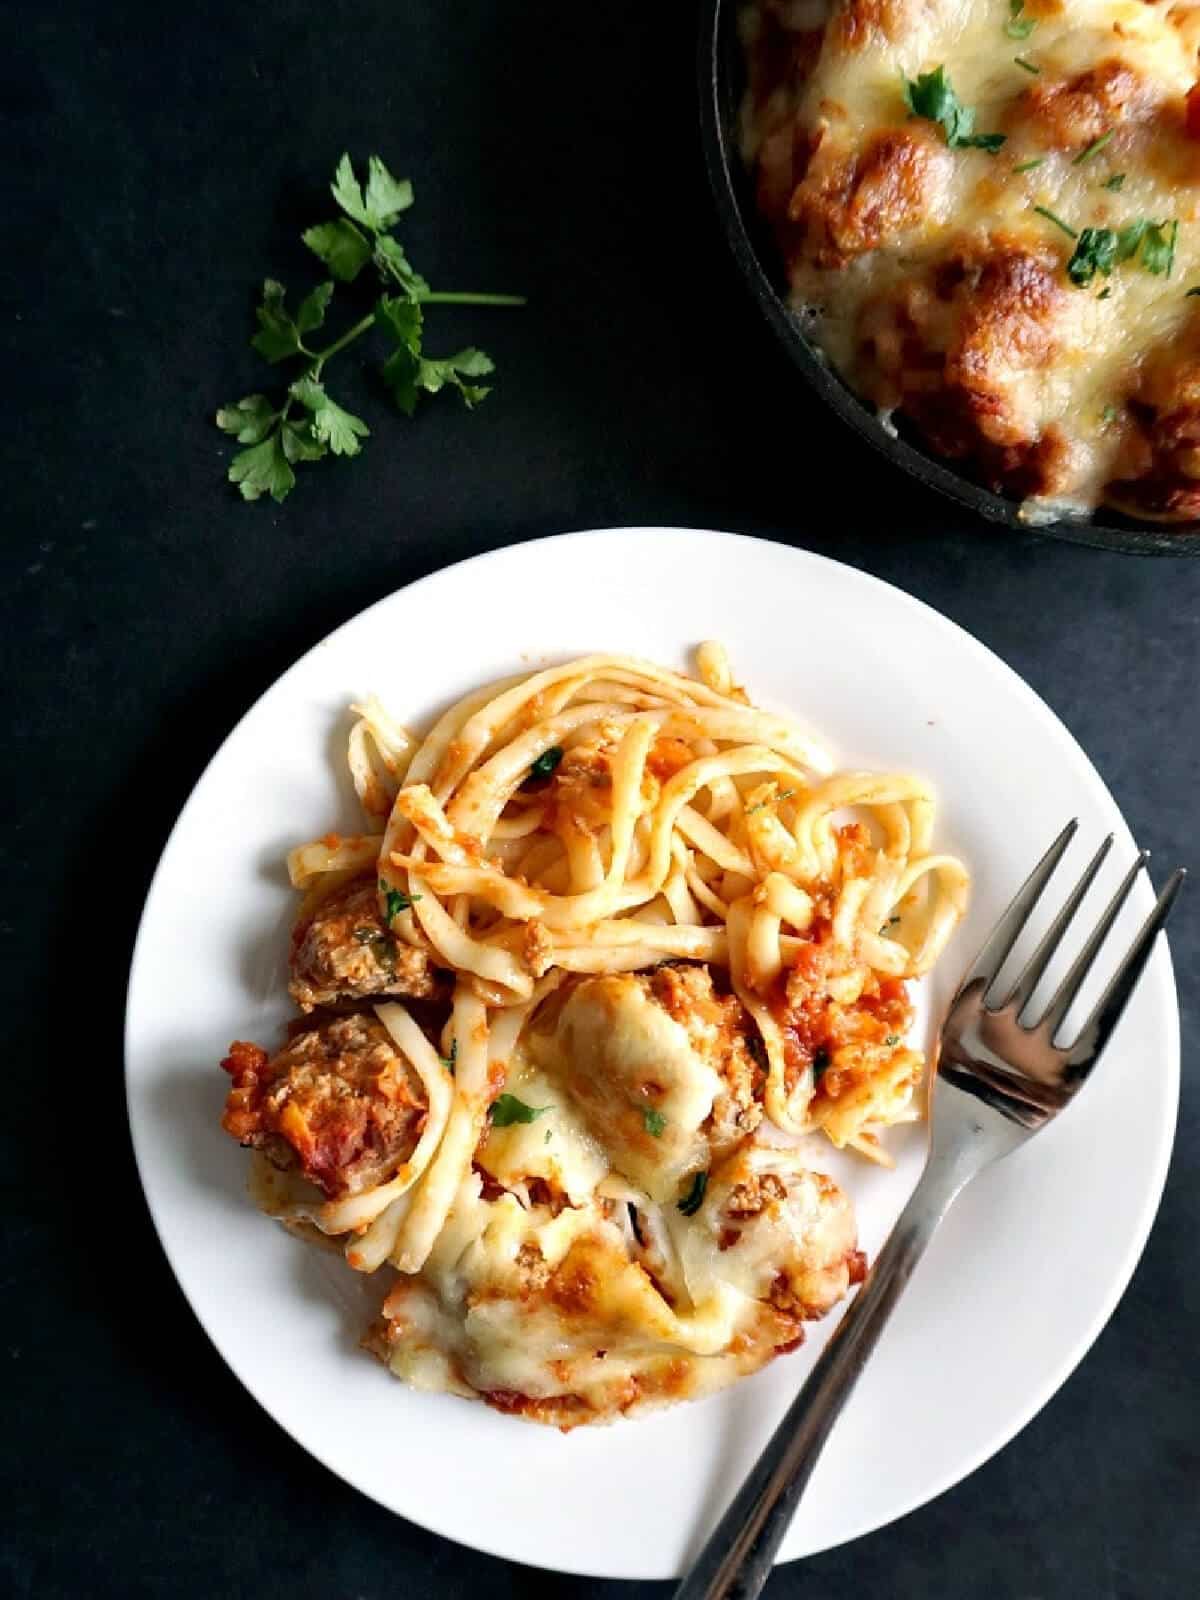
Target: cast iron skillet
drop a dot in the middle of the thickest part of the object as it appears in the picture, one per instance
(721, 80)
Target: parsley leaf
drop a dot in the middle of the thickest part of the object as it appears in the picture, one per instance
(279, 334)
(395, 900)
(343, 249)
(249, 420)
(1158, 247)
(892, 1038)
(546, 763)
(339, 429)
(932, 96)
(1116, 183)
(1017, 26)
(1095, 251)
(393, 263)
(450, 1061)
(263, 469)
(655, 1121)
(402, 319)
(300, 443)
(694, 1198)
(470, 363)
(507, 1109)
(1028, 166)
(386, 197)
(408, 373)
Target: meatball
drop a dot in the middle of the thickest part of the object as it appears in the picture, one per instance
(344, 952)
(850, 202)
(1070, 112)
(859, 24)
(954, 348)
(338, 1103)
(785, 1235)
(1157, 473)
(720, 1029)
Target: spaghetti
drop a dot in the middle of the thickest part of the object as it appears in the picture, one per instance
(662, 919)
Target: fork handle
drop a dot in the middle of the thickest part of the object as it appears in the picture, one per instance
(736, 1559)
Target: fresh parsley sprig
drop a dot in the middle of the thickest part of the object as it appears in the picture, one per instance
(306, 423)
(932, 96)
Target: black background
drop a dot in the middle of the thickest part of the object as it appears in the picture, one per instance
(160, 161)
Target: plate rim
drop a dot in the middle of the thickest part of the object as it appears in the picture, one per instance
(1157, 1173)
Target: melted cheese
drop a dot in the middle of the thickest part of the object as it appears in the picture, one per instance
(555, 1147)
(637, 1080)
(855, 92)
(563, 1311)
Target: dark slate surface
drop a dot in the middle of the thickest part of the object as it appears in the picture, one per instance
(160, 160)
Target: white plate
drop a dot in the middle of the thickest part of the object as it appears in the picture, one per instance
(1025, 1271)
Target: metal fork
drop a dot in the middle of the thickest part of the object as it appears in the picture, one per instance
(1000, 1078)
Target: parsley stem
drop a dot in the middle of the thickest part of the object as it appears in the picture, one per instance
(356, 332)
(456, 299)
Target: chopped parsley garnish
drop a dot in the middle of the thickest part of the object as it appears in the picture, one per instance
(1028, 166)
(1116, 183)
(450, 1061)
(892, 1038)
(1018, 26)
(1104, 294)
(1158, 246)
(694, 1198)
(507, 1109)
(1109, 414)
(395, 900)
(1058, 222)
(655, 1121)
(932, 96)
(1028, 66)
(380, 945)
(1101, 249)
(1096, 251)
(1093, 149)
(821, 1060)
(546, 763)
(784, 794)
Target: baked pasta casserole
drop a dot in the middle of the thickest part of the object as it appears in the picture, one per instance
(988, 210)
